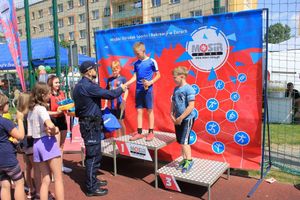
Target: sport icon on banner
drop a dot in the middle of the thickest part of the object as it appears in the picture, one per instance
(224, 56)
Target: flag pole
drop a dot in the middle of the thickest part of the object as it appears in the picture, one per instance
(56, 41)
(28, 39)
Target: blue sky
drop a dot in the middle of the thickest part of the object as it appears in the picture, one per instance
(284, 11)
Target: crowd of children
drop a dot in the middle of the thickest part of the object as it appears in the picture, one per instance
(42, 127)
(41, 151)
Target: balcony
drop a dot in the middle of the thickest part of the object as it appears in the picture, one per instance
(136, 12)
(120, 1)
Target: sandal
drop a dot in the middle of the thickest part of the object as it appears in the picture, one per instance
(30, 195)
(50, 196)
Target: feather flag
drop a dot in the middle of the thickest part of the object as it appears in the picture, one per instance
(8, 25)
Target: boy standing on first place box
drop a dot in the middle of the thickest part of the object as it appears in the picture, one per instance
(144, 68)
(183, 102)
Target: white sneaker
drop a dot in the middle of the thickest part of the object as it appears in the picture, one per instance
(66, 169)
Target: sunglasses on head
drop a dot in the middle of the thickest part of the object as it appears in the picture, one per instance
(5, 103)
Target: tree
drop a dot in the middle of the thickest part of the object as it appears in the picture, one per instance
(279, 33)
(65, 43)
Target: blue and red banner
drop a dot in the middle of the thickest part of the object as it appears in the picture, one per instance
(8, 25)
(224, 56)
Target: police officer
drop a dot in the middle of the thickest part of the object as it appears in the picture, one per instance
(87, 96)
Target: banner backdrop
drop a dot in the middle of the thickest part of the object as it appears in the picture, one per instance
(224, 56)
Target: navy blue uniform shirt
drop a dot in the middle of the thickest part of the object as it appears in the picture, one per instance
(87, 96)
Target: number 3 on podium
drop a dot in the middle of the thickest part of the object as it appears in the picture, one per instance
(168, 181)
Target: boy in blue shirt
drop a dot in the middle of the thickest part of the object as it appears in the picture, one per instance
(144, 69)
(183, 102)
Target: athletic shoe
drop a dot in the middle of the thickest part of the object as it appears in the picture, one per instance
(180, 164)
(66, 170)
(101, 183)
(187, 166)
(136, 137)
(150, 137)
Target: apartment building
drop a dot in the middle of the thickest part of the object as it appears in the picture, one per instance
(238, 5)
(79, 19)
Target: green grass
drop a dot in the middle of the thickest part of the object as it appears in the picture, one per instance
(279, 175)
(285, 134)
(284, 137)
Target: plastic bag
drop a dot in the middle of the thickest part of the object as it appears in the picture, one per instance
(110, 122)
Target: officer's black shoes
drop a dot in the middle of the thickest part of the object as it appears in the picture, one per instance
(97, 192)
(101, 183)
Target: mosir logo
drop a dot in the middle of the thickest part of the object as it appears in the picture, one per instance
(209, 48)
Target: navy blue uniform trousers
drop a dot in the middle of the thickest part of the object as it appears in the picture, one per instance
(91, 133)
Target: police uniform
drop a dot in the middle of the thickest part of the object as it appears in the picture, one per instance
(87, 96)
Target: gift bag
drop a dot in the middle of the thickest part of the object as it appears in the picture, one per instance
(110, 122)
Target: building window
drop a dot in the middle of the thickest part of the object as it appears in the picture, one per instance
(32, 16)
(106, 12)
(82, 18)
(50, 25)
(222, 9)
(137, 4)
(70, 4)
(121, 8)
(156, 3)
(41, 27)
(71, 20)
(136, 21)
(40, 13)
(2, 40)
(19, 19)
(95, 29)
(82, 34)
(61, 37)
(95, 14)
(196, 13)
(174, 1)
(175, 16)
(219, 10)
(81, 2)
(60, 8)
(34, 29)
(71, 35)
(122, 24)
(94, 1)
(105, 27)
(60, 23)
(83, 49)
(50, 11)
(156, 19)
(20, 32)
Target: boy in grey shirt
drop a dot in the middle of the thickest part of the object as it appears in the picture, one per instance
(183, 102)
